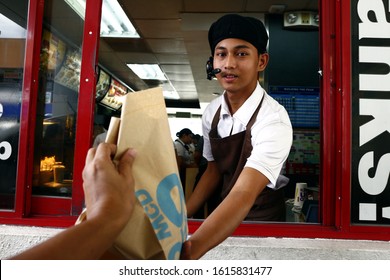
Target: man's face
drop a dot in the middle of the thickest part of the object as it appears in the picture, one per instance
(240, 63)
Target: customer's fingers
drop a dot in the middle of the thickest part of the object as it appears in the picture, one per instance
(125, 164)
(105, 151)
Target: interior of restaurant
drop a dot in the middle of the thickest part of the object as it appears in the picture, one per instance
(171, 36)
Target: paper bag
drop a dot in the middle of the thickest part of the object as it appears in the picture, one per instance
(158, 225)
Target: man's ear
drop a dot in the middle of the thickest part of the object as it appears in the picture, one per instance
(263, 61)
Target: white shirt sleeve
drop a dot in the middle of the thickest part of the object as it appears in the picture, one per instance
(271, 141)
(179, 149)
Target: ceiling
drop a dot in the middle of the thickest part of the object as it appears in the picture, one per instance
(173, 35)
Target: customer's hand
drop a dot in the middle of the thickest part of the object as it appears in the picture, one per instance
(109, 197)
(109, 187)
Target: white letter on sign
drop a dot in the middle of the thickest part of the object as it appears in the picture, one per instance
(379, 82)
(377, 184)
(379, 109)
(5, 150)
(369, 29)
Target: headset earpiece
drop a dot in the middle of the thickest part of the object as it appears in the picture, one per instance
(210, 68)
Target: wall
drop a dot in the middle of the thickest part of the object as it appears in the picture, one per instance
(11, 53)
(294, 55)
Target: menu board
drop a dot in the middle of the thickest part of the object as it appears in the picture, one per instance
(102, 85)
(301, 103)
(69, 74)
(52, 52)
(114, 97)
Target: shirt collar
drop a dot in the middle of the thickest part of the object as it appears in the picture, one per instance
(180, 141)
(245, 112)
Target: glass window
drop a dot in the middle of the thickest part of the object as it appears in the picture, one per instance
(12, 48)
(59, 79)
(294, 82)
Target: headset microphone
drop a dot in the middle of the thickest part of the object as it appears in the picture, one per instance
(216, 71)
(211, 72)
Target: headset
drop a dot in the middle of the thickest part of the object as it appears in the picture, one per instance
(211, 72)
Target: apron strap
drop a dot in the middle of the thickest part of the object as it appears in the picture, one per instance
(215, 121)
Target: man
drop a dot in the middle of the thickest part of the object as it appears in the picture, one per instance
(247, 137)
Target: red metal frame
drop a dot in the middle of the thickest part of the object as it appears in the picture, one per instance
(49, 206)
(346, 120)
(338, 110)
(61, 208)
(28, 109)
(328, 115)
(86, 103)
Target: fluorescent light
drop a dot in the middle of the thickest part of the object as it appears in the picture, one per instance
(171, 94)
(148, 71)
(154, 72)
(114, 22)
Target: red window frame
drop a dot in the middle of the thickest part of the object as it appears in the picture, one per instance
(335, 60)
(54, 211)
(27, 126)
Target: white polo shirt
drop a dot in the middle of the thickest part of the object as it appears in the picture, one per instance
(182, 151)
(271, 133)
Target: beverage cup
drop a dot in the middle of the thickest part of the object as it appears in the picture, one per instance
(300, 195)
(59, 171)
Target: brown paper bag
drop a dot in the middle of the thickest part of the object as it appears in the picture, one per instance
(158, 225)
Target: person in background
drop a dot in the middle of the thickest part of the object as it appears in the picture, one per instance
(199, 159)
(109, 197)
(247, 137)
(201, 162)
(184, 156)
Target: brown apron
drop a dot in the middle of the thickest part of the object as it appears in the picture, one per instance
(230, 154)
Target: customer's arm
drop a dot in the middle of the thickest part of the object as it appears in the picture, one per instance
(228, 215)
(109, 196)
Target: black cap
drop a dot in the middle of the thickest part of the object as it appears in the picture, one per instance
(184, 131)
(249, 29)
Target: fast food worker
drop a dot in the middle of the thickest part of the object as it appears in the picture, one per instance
(247, 137)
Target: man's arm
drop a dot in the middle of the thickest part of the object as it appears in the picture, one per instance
(109, 196)
(229, 214)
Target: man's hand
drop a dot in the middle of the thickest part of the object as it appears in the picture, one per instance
(186, 251)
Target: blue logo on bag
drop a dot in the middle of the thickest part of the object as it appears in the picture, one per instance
(165, 207)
